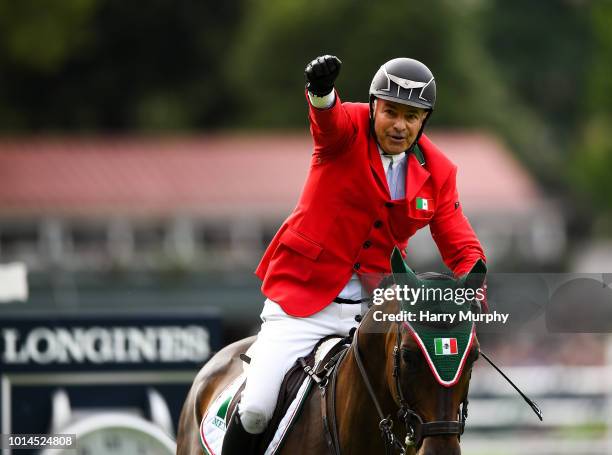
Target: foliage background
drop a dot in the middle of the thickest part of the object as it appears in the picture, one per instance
(535, 73)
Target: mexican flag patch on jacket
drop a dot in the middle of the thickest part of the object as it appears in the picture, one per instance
(424, 203)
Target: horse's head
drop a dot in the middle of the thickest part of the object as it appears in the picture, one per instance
(430, 356)
(427, 399)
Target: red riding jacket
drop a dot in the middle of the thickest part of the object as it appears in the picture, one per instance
(346, 222)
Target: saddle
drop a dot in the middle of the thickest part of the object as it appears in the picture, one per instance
(295, 390)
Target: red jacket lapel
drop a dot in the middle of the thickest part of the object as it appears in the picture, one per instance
(376, 165)
(417, 176)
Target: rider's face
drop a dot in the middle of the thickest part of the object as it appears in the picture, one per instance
(396, 125)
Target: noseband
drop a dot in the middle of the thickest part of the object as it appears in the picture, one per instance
(416, 429)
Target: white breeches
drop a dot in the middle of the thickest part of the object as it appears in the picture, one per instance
(280, 341)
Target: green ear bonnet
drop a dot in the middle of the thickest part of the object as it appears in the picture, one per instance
(440, 326)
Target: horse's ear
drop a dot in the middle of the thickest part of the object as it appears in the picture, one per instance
(476, 276)
(402, 274)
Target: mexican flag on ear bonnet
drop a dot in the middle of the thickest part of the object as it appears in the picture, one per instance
(445, 345)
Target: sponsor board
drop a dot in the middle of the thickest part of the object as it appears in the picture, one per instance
(102, 360)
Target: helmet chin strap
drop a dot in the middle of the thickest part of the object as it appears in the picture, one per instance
(418, 136)
(372, 130)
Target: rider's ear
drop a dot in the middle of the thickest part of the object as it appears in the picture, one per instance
(402, 274)
(476, 276)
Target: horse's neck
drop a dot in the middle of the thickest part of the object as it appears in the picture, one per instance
(355, 408)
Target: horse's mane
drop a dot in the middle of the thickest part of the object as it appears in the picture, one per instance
(435, 275)
(431, 276)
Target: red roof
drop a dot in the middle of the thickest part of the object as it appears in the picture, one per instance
(213, 175)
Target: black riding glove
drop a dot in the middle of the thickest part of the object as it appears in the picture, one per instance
(321, 74)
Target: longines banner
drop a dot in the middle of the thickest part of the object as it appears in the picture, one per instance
(70, 342)
(101, 360)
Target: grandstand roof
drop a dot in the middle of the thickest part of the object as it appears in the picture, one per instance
(216, 175)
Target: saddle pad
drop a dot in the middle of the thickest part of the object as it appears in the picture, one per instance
(213, 426)
(324, 349)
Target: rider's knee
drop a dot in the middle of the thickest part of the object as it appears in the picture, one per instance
(253, 420)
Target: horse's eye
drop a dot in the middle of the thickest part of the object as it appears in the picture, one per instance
(411, 358)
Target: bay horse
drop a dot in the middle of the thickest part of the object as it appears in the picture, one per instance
(382, 379)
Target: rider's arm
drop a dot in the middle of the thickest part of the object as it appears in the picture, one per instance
(330, 124)
(323, 101)
(331, 128)
(452, 232)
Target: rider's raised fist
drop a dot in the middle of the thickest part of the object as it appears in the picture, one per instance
(321, 74)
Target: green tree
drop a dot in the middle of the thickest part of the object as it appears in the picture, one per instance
(113, 65)
(590, 162)
(278, 37)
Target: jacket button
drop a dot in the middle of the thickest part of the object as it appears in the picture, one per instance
(378, 224)
(357, 266)
(367, 244)
(389, 204)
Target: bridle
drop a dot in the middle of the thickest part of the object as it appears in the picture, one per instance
(416, 429)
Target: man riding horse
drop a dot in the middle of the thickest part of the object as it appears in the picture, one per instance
(374, 180)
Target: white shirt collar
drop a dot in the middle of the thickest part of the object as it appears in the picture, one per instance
(395, 159)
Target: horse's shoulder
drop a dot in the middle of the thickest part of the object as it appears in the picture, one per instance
(219, 371)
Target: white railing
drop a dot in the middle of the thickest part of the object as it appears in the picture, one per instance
(576, 403)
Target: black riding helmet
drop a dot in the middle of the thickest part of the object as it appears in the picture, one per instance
(406, 81)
